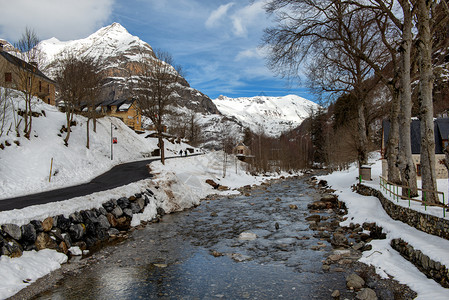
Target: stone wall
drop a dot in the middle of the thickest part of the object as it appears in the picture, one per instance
(432, 269)
(83, 229)
(424, 222)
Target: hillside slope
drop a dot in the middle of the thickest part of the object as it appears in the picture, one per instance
(25, 164)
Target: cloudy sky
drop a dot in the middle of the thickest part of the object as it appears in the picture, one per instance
(216, 41)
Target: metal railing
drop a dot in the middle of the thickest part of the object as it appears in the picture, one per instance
(395, 191)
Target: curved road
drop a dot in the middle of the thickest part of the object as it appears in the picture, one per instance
(118, 176)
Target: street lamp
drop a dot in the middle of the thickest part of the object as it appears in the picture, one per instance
(113, 141)
(112, 151)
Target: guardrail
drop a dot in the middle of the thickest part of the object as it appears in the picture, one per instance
(395, 191)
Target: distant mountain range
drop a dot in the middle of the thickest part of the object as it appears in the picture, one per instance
(269, 115)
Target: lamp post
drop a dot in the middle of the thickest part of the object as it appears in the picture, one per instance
(112, 151)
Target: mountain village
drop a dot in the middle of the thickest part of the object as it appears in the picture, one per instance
(110, 163)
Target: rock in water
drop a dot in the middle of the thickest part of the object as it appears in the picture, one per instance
(247, 236)
(366, 294)
(354, 282)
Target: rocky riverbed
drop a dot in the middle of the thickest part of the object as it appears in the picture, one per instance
(280, 239)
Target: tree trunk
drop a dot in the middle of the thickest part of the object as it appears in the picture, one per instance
(406, 165)
(69, 118)
(425, 101)
(161, 147)
(362, 138)
(392, 148)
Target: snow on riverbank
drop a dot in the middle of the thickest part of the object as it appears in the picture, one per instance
(177, 185)
(385, 259)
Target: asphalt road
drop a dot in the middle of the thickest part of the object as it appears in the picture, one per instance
(118, 176)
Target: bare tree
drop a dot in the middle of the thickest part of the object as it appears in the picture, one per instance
(330, 32)
(79, 82)
(26, 74)
(424, 44)
(155, 91)
(194, 129)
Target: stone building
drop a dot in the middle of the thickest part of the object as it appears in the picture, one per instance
(441, 128)
(242, 152)
(124, 109)
(17, 74)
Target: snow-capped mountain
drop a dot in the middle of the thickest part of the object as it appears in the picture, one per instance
(269, 115)
(120, 54)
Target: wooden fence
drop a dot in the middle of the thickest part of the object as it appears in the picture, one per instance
(395, 191)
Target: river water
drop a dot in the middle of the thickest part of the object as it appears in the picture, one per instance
(202, 254)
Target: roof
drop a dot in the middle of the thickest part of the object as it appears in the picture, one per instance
(24, 65)
(122, 104)
(441, 132)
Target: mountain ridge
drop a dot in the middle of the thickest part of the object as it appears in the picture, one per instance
(267, 114)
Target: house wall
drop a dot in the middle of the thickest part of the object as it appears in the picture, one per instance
(242, 150)
(440, 170)
(41, 87)
(131, 117)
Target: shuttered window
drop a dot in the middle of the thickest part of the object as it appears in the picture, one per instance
(8, 77)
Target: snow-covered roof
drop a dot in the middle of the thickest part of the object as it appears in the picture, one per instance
(122, 104)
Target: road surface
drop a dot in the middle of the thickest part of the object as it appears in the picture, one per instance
(118, 176)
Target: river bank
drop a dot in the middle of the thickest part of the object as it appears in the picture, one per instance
(262, 235)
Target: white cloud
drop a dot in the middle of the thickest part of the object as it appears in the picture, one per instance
(217, 14)
(249, 53)
(59, 18)
(247, 16)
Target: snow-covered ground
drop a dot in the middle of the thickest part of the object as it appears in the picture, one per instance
(385, 259)
(25, 164)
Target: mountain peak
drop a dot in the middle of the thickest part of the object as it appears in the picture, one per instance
(115, 29)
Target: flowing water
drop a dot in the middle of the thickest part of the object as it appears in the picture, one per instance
(202, 254)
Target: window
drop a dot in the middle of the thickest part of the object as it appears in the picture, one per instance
(40, 86)
(445, 143)
(418, 170)
(8, 77)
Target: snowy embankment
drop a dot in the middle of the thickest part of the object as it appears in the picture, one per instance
(386, 260)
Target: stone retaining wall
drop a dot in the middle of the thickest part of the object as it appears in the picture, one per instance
(424, 222)
(427, 266)
(84, 229)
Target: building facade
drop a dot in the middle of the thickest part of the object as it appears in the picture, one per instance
(441, 131)
(126, 110)
(17, 74)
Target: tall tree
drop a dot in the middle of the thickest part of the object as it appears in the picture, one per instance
(395, 29)
(155, 91)
(26, 75)
(330, 32)
(425, 86)
(78, 82)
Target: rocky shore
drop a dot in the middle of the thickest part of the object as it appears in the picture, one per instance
(349, 243)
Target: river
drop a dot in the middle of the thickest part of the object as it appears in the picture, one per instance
(254, 246)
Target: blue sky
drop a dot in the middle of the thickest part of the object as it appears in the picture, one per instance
(216, 41)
